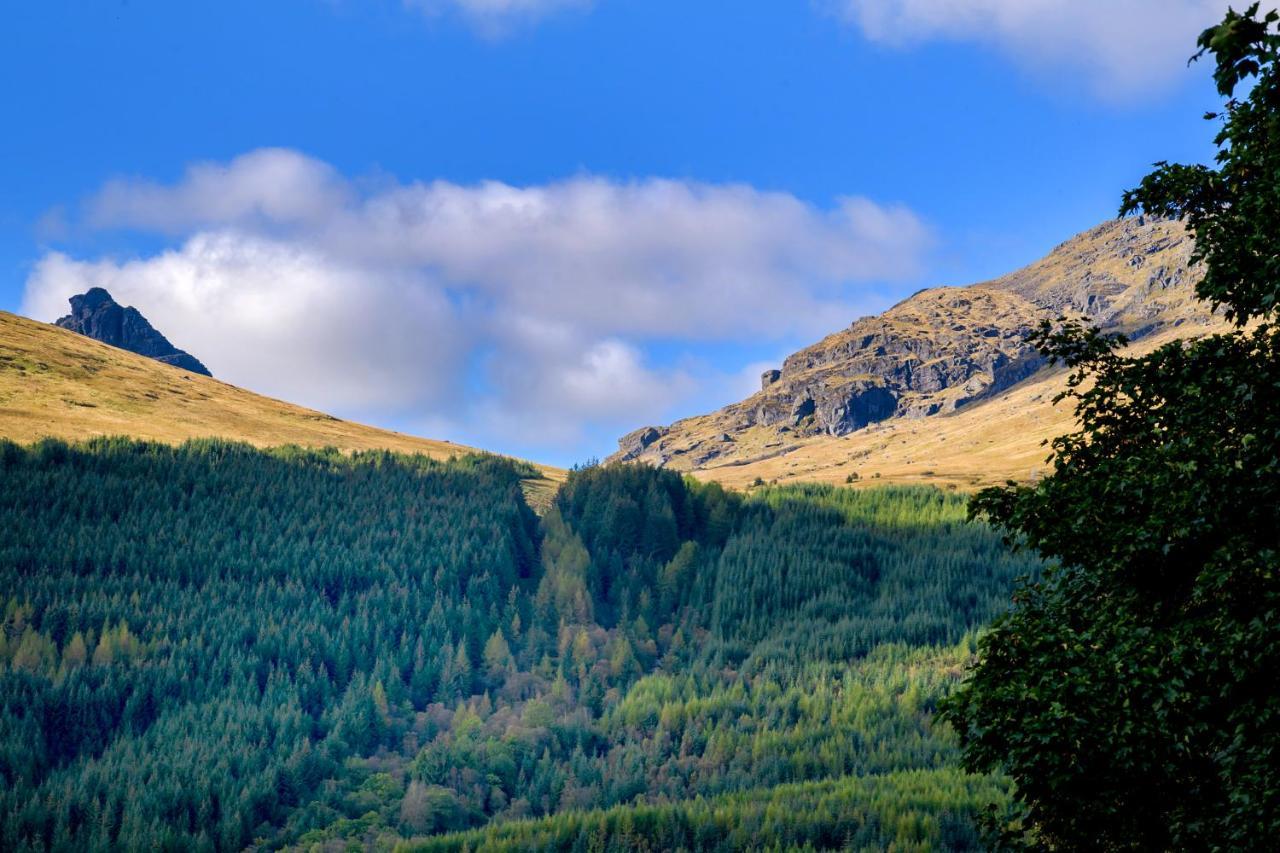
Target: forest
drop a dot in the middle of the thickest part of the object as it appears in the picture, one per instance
(215, 647)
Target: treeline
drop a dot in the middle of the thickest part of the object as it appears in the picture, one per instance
(799, 573)
(909, 811)
(213, 647)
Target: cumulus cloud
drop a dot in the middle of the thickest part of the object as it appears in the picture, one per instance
(282, 319)
(1123, 48)
(496, 306)
(264, 187)
(579, 381)
(617, 257)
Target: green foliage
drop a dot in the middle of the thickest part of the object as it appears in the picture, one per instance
(908, 811)
(784, 724)
(1131, 694)
(817, 573)
(213, 647)
(1233, 209)
(245, 611)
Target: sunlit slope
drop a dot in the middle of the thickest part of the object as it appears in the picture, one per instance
(943, 387)
(55, 383)
(999, 440)
(995, 441)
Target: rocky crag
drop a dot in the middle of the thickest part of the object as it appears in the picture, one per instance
(96, 315)
(942, 349)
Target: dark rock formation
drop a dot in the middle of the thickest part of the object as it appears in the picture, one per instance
(932, 353)
(96, 315)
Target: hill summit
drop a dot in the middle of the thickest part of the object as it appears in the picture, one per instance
(98, 316)
(938, 353)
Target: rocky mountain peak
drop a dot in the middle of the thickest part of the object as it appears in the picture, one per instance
(943, 348)
(91, 300)
(96, 315)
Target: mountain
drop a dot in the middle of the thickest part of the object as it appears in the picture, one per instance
(95, 314)
(943, 385)
(58, 384)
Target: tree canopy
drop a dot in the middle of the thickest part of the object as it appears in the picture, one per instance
(1132, 693)
(213, 647)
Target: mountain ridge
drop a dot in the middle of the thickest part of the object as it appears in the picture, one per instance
(942, 351)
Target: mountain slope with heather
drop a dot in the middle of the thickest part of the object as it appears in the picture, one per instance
(943, 385)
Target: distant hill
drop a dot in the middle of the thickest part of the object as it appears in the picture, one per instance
(98, 316)
(56, 383)
(942, 387)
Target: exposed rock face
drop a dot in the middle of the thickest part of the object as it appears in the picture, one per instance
(637, 441)
(943, 348)
(96, 315)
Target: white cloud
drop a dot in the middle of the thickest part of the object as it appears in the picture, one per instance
(282, 319)
(618, 257)
(265, 186)
(495, 306)
(1123, 48)
(579, 381)
(613, 256)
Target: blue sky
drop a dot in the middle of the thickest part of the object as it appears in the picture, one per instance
(533, 225)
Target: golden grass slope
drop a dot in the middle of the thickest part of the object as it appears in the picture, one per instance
(58, 384)
(1126, 275)
(1001, 439)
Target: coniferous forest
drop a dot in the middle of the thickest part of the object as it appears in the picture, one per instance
(423, 214)
(213, 647)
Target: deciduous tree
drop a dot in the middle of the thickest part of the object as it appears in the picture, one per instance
(1132, 694)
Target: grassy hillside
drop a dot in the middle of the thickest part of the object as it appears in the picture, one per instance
(1000, 439)
(970, 410)
(58, 384)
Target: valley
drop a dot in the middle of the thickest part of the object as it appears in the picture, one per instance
(399, 651)
(847, 545)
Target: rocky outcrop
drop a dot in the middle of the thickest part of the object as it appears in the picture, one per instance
(1130, 275)
(944, 348)
(638, 441)
(96, 315)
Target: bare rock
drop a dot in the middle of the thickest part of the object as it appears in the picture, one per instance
(96, 315)
(634, 443)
